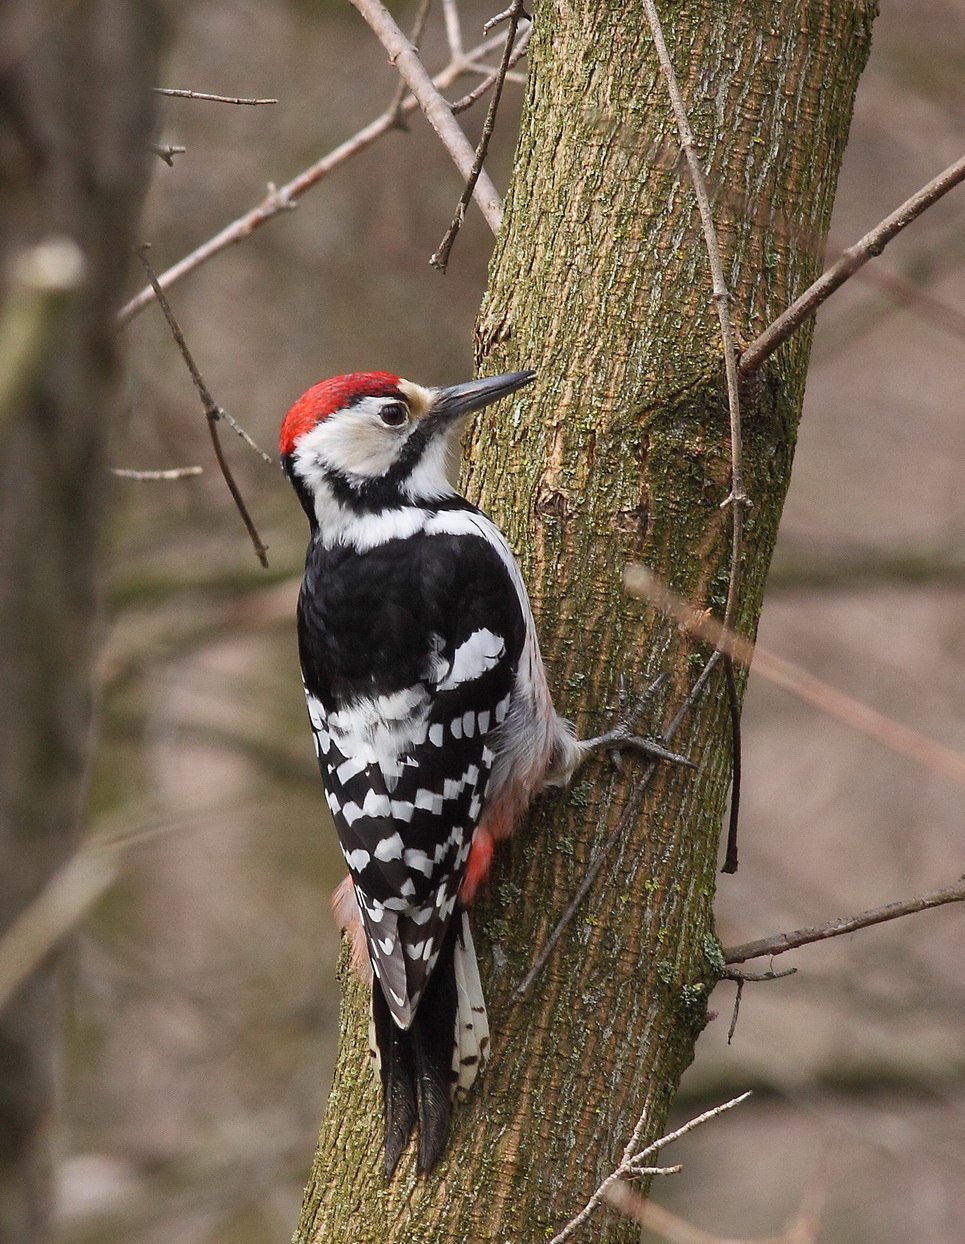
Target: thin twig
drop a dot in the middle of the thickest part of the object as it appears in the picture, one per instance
(67, 896)
(667, 1225)
(401, 90)
(630, 811)
(631, 1163)
(437, 112)
(921, 302)
(450, 14)
(499, 18)
(479, 91)
(283, 198)
(806, 1227)
(781, 942)
(648, 1214)
(70, 893)
(170, 474)
(736, 742)
(212, 412)
(850, 261)
(167, 152)
(743, 978)
(215, 99)
(440, 259)
(735, 1014)
(642, 582)
(746, 978)
(738, 499)
(721, 294)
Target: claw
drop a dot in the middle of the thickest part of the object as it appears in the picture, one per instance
(622, 738)
(659, 752)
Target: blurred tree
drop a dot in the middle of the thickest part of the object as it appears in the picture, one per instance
(600, 281)
(75, 123)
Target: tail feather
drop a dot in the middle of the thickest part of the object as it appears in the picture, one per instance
(471, 1044)
(432, 1037)
(393, 1053)
(438, 1057)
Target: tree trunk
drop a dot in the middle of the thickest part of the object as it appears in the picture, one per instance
(600, 281)
(75, 121)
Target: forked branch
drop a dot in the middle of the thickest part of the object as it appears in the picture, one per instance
(285, 197)
(437, 111)
(212, 412)
(633, 1162)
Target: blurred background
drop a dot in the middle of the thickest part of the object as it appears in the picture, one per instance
(204, 1004)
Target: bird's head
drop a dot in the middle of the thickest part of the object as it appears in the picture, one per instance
(371, 440)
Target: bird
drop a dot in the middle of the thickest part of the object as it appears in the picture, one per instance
(433, 722)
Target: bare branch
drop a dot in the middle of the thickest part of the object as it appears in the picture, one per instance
(440, 259)
(418, 29)
(733, 704)
(71, 892)
(738, 499)
(212, 412)
(167, 152)
(215, 99)
(806, 1227)
(921, 301)
(170, 474)
(631, 1164)
(847, 265)
(450, 15)
(65, 898)
(642, 582)
(479, 91)
(745, 978)
(437, 112)
(721, 294)
(499, 18)
(667, 1225)
(781, 942)
(857, 566)
(803, 1230)
(284, 198)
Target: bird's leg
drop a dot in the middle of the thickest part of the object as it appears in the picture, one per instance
(622, 736)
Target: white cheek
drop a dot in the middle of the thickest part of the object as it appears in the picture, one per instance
(354, 443)
(432, 475)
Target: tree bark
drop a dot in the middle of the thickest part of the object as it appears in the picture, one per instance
(620, 453)
(75, 121)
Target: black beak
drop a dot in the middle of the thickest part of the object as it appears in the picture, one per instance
(462, 399)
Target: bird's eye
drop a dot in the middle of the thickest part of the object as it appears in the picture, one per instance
(393, 414)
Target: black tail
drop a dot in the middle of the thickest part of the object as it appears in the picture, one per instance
(416, 1066)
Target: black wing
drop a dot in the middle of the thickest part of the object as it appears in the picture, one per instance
(409, 653)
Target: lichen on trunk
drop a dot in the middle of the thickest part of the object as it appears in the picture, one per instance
(619, 453)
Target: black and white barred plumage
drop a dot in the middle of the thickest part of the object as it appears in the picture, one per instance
(432, 720)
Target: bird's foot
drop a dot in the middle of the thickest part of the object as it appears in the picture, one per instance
(622, 737)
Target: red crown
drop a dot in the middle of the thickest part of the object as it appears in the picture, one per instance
(324, 398)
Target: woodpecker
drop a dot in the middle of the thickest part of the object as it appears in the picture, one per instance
(433, 722)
